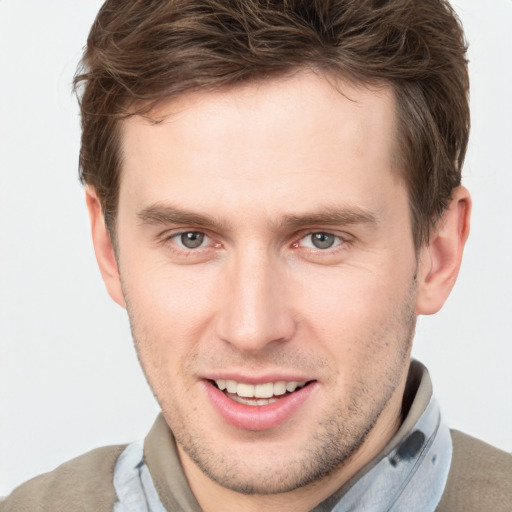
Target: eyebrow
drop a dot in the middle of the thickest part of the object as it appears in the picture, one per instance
(331, 217)
(159, 214)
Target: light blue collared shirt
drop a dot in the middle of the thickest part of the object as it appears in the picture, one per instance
(411, 478)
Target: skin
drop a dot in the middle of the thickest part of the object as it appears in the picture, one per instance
(257, 170)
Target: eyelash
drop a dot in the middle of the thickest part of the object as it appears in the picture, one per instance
(340, 242)
(176, 246)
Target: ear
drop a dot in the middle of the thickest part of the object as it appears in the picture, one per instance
(103, 247)
(440, 260)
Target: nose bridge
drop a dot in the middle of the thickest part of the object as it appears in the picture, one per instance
(255, 312)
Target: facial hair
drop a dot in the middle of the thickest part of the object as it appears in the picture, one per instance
(341, 431)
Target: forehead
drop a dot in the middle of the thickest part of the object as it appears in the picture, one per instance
(320, 98)
(303, 132)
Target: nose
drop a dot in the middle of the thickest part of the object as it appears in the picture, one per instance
(255, 313)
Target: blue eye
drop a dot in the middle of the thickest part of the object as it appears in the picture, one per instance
(190, 239)
(321, 240)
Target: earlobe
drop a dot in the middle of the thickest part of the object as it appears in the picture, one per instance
(440, 260)
(103, 247)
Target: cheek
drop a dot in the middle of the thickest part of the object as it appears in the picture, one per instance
(357, 313)
(170, 310)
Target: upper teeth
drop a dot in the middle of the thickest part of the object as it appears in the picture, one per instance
(266, 390)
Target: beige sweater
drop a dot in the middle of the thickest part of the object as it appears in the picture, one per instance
(480, 480)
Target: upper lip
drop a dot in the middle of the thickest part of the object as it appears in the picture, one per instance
(257, 379)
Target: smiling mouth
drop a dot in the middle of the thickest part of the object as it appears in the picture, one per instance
(257, 394)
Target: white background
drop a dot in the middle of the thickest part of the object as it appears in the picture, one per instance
(69, 378)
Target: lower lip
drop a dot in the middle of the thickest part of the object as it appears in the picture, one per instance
(258, 417)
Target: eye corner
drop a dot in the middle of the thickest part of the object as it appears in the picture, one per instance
(335, 253)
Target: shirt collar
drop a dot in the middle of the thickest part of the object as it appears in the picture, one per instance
(411, 471)
(409, 474)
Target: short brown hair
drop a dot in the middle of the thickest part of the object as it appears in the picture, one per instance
(142, 52)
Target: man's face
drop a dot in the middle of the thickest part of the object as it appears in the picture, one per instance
(264, 244)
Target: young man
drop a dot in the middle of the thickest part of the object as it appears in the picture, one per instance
(274, 192)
